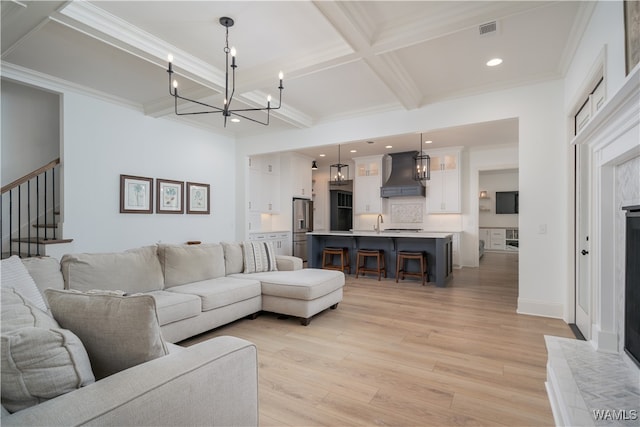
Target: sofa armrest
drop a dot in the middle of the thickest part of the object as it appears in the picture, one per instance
(288, 263)
(213, 383)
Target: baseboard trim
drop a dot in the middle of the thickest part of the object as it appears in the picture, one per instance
(540, 308)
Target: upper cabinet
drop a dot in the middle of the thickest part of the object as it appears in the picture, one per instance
(443, 189)
(366, 185)
(296, 170)
(264, 184)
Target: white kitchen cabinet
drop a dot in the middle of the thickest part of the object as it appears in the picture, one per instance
(296, 175)
(499, 239)
(443, 189)
(264, 184)
(366, 185)
(281, 240)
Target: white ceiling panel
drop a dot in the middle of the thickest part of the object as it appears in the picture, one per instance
(340, 58)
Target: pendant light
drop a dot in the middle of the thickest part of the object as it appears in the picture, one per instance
(423, 165)
(339, 172)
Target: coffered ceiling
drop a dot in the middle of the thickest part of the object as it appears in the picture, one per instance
(340, 59)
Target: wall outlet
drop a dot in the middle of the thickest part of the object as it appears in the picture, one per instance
(542, 229)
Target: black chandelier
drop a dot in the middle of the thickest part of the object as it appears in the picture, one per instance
(228, 98)
(339, 172)
(423, 165)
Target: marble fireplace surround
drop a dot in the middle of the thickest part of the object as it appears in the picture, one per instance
(583, 377)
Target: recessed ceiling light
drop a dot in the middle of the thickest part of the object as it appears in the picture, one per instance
(428, 142)
(353, 151)
(235, 120)
(388, 146)
(493, 62)
(322, 155)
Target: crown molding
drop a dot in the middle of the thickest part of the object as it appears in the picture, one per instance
(54, 84)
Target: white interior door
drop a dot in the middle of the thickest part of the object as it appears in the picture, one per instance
(582, 246)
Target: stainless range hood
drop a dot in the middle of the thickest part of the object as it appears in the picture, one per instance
(401, 182)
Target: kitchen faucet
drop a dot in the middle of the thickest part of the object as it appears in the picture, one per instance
(379, 221)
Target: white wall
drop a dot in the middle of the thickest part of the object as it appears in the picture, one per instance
(492, 181)
(30, 129)
(103, 140)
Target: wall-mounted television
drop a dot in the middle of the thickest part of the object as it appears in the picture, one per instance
(506, 202)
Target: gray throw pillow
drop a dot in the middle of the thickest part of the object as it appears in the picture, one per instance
(233, 258)
(118, 331)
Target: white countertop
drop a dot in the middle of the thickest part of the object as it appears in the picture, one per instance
(371, 233)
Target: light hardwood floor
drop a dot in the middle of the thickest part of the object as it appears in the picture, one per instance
(407, 355)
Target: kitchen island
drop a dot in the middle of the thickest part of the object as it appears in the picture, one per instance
(438, 247)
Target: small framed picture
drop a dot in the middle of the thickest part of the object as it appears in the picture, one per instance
(169, 196)
(197, 198)
(136, 194)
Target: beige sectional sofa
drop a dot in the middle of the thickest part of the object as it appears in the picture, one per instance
(194, 288)
(200, 287)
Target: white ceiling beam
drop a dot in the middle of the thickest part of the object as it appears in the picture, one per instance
(356, 31)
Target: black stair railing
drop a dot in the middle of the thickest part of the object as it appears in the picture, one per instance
(24, 229)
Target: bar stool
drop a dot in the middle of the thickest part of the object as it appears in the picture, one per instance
(363, 254)
(327, 259)
(403, 256)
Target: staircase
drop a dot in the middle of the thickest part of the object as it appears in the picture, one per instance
(30, 213)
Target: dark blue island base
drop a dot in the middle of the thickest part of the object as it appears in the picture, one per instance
(438, 247)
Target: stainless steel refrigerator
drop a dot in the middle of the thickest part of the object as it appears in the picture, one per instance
(302, 223)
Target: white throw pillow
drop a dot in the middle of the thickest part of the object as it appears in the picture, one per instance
(118, 331)
(15, 275)
(258, 257)
(39, 364)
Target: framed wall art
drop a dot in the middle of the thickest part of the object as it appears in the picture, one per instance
(198, 200)
(136, 194)
(169, 196)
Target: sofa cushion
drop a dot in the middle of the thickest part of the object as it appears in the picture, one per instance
(306, 284)
(15, 275)
(220, 292)
(258, 257)
(190, 263)
(118, 331)
(233, 258)
(18, 312)
(135, 270)
(45, 271)
(39, 364)
(173, 306)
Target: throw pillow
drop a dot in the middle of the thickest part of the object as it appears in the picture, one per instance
(18, 312)
(258, 257)
(39, 364)
(190, 263)
(135, 270)
(15, 275)
(45, 271)
(118, 331)
(233, 258)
